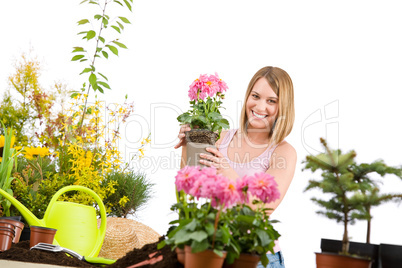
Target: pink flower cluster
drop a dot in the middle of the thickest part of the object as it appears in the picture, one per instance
(206, 183)
(206, 85)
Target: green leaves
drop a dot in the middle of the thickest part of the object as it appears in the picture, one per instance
(84, 21)
(102, 47)
(119, 44)
(90, 34)
(77, 57)
(113, 49)
(125, 20)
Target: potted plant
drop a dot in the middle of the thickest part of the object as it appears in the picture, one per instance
(369, 197)
(214, 215)
(203, 227)
(338, 181)
(206, 94)
(250, 224)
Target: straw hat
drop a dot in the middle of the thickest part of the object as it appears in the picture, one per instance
(123, 235)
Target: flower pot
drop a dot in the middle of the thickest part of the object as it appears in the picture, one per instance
(203, 259)
(355, 248)
(180, 255)
(332, 260)
(244, 261)
(41, 235)
(193, 153)
(197, 141)
(6, 238)
(25, 234)
(18, 228)
(390, 256)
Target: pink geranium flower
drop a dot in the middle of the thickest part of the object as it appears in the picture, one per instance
(264, 187)
(228, 194)
(195, 92)
(206, 85)
(186, 177)
(242, 188)
(222, 86)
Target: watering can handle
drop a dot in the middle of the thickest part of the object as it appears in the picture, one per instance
(102, 229)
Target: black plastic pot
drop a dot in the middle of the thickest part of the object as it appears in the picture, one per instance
(361, 249)
(16, 218)
(390, 256)
(25, 234)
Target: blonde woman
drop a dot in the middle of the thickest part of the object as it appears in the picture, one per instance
(259, 144)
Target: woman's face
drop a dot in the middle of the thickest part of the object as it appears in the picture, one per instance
(261, 106)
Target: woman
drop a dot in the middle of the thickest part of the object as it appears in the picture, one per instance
(266, 120)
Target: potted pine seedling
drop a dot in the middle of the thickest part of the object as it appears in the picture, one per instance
(370, 197)
(338, 182)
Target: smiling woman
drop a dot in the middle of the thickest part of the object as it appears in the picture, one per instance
(266, 119)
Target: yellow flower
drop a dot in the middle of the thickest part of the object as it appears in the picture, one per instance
(88, 159)
(2, 143)
(141, 151)
(123, 201)
(33, 152)
(145, 141)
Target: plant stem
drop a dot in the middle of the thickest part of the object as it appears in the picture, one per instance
(216, 225)
(93, 63)
(368, 227)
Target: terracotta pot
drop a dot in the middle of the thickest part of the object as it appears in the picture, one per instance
(332, 260)
(203, 259)
(369, 251)
(244, 261)
(180, 255)
(6, 238)
(41, 235)
(18, 228)
(7, 225)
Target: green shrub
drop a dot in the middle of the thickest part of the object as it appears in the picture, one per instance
(133, 191)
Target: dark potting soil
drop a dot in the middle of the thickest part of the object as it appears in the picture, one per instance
(169, 259)
(21, 252)
(202, 136)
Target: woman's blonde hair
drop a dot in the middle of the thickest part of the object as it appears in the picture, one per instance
(282, 85)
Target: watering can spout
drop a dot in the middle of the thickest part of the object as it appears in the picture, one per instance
(28, 215)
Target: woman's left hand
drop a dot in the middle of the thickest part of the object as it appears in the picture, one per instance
(216, 160)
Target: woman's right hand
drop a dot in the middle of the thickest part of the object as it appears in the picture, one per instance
(182, 135)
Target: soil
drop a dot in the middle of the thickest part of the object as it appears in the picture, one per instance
(201, 136)
(21, 252)
(163, 258)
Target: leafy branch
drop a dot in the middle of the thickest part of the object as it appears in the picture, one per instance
(97, 80)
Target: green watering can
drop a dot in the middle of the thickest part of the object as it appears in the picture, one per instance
(76, 224)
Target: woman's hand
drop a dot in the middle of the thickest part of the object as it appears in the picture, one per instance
(182, 135)
(218, 161)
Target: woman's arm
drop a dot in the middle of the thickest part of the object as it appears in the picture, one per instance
(282, 167)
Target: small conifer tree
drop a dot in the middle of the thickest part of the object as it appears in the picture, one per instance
(338, 182)
(352, 192)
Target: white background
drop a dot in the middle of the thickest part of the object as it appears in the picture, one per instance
(345, 59)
